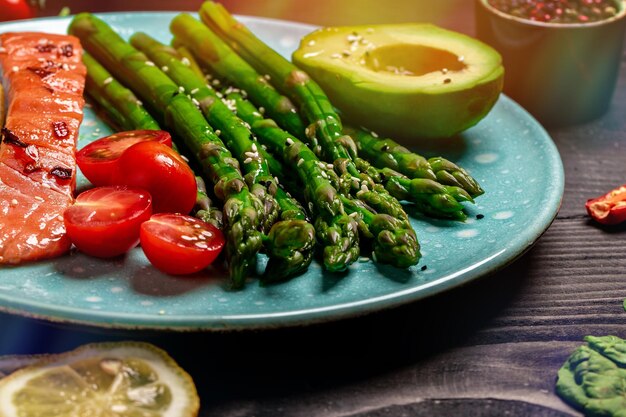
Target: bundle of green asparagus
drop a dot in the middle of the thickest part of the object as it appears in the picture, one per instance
(348, 181)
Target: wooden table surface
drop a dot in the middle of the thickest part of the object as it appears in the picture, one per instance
(490, 348)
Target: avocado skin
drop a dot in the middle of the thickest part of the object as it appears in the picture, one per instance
(410, 113)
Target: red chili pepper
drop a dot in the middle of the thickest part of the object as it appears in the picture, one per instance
(610, 208)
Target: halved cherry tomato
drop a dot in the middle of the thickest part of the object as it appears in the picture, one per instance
(15, 9)
(105, 221)
(98, 160)
(178, 244)
(163, 172)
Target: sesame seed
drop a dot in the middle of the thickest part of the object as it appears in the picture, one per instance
(150, 63)
(2, 50)
(335, 56)
(374, 134)
(196, 102)
(480, 216)
(364, 188)
(447, 81)
(15, 68)
(251, 154)
(201, 245)
(289, 141)
(330, 166)
(300, 161)
(363, 259)
(38, 198)
(354, 214)
(262, 110)
(445, 70)
(247, 160)
(185, 61)
(165, 68)
(345, 53)
(14, 202)
(374, 257)
(254, 148)
(218, 132)
(461, 58)
(108, 81)
(139, 103)
(65, 67)
(267, 77)
(194, 91)
(181, 89)
(215, 82)
(184, 158)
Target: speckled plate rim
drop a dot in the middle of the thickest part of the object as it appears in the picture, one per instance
(496, 261)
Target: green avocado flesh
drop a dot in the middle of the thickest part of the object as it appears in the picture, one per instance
(404, 80)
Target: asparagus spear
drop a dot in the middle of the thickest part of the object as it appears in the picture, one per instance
(394, 239)
(120, 103)
(390, 154)
(289, 243)
(242, 210)
(214, 54)
(430, 197)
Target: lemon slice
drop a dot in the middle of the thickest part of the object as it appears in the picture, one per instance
(125, 379)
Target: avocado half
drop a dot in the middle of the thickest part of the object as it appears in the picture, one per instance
(404, 80)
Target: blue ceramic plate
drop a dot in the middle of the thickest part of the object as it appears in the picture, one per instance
(508, 152)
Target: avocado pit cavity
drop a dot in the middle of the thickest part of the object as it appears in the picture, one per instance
(412, 60)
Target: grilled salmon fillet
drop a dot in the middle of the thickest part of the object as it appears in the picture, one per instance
(44, 80)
